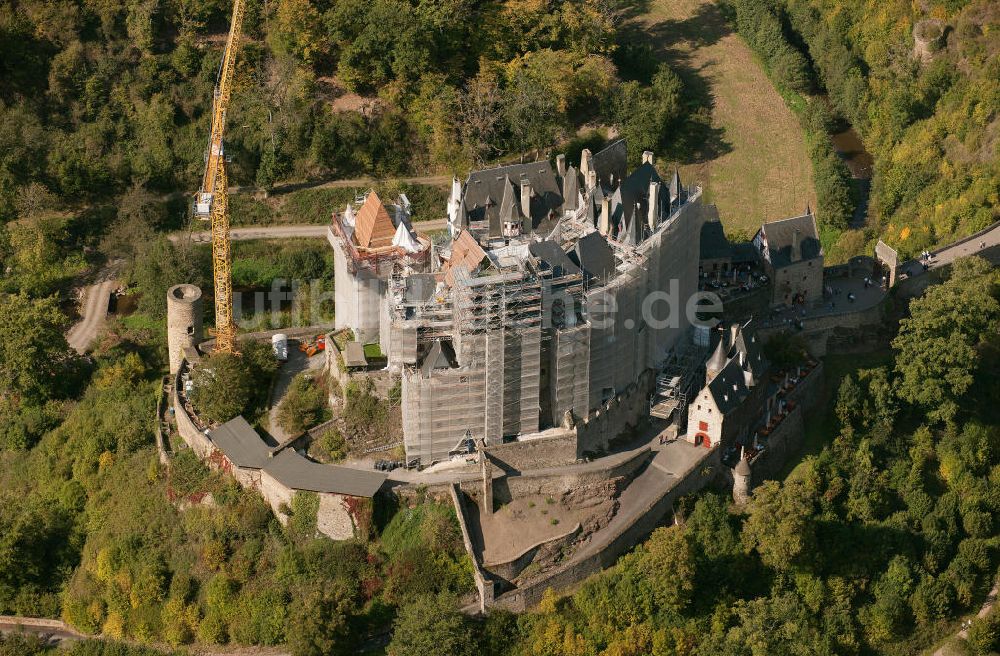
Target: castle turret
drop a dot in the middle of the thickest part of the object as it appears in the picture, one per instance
(741, 481)
(184, 317)
(717, 362)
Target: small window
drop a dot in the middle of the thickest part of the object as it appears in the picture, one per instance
(463, 379)
(699, 406)
(702, 426)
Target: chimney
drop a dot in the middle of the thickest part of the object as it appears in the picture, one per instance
(654, 202)
(647, 157)
(585, 167)
(796, 245)
(561, 165)
(591, 178)
(526, 198)
(605, 222)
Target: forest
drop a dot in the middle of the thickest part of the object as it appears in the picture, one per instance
(101, 98)
(931, 126)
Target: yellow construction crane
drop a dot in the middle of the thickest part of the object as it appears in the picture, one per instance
(212, 201)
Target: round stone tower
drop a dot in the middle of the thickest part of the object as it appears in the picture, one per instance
(741, 481)
(184, 315)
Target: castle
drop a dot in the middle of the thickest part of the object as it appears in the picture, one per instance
(555, 294)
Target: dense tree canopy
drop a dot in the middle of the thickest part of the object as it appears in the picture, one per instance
(941, 344)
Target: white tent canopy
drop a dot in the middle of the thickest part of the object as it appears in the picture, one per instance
(404, 239)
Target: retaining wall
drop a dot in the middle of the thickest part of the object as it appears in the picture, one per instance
(333, 518)
(507, 571)
(538, 453)
(507, 488)
(484, 586)
(577, 569)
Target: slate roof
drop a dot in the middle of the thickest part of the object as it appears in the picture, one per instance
(611, 164)
(729, 387)
(484, 190)
(553, 257)
(634, 194)
(594, 255)
(437, 358)
(748, 343)
(510, 210)
(779, 237)
(676, 188)
(296, 472)
(240, 443)
(374, 227)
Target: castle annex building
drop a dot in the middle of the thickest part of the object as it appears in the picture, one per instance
(793, 258)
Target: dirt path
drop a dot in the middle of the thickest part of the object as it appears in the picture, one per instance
(309, 231)
(94, 308)
(753, 161)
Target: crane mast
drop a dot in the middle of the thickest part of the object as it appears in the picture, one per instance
(212, 201)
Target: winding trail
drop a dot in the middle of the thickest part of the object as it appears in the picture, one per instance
(94, 308)
(293, 231)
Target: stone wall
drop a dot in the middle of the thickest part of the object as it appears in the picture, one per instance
(508, 571)
(193, 437)
(577, 569)
(755, 303)
(816, 331)
(537, 453)
(484, 586)
(333, 519)
(804, 277)
(785, 440)
(579, 481)
(615, 416)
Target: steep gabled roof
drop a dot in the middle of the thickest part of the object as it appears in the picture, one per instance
(571, 189)
(510, 209)
(375, 228)
(594, 255)
(553, 257)
(729, 388)
(634, 192)
(611, 164)
(436, 358)
(748, 344)
(781, 235)
(465, 253)
(676, 188)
